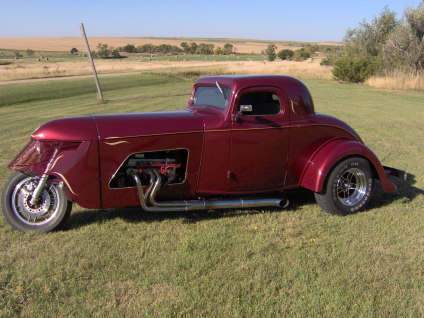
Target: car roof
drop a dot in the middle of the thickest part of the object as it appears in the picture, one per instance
(295, 90)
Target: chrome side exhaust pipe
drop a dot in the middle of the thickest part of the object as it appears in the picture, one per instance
(148, 201)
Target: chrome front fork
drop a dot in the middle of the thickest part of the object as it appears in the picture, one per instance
(38, 189)
(43, 181)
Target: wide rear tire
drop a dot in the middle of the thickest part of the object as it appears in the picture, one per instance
(49, 213)
(348, 188)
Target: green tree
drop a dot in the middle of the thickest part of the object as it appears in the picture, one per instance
(270, 52)
(29, 52)
(185, 47)
(129, 48)
(164, 48)
(115, 53)
(368, 38)
(73, 51)
(206, 49)
(364, 48)
(228, 49)
(301, 55)
(311, 49)
(146, 48)
(354, 68)
(192, 48)
(218, 51)
(104, 51)
(285, 54)
(404, 48)
(415, 19)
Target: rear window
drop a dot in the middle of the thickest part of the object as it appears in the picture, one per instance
(212, 96)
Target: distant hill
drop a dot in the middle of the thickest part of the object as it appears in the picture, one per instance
(67, 43)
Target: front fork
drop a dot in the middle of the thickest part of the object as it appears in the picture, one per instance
(43, 180)
(38, 189)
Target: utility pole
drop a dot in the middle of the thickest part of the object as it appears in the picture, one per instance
(96, 79)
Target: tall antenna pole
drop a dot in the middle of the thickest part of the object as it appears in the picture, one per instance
(96, 79)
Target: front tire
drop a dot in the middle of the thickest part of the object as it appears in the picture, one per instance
(49, 213)
(349, 187)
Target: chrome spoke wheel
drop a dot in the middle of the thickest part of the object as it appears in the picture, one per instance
(49, 212)
(351, 187)
(43, 211)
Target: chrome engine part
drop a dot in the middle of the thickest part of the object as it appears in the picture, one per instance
(170, 163)
(148, 198)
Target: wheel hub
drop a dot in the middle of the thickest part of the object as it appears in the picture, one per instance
(351, 187)
(40, 208)
(39, 213)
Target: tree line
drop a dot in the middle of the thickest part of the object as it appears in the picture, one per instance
(184, 48)
(105, 51)
(382, 46)
(304, 53)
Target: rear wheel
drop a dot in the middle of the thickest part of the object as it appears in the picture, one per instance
(348, 188)
(49, 213)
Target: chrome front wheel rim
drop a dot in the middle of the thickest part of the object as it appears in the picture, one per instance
(351, 187)
(43, 211)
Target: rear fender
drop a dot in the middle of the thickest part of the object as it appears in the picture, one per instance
(325, 158)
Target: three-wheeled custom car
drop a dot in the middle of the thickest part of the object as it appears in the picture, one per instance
(241, 137)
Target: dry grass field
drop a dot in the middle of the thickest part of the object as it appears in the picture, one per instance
(63, 65)
(248, 61)
(25, 70)
(65, 44)
(398, 81)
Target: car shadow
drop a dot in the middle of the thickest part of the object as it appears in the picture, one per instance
(297, 198)
(137, 215)
(406, 191)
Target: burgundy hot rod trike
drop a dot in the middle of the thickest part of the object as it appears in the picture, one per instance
(240, 137)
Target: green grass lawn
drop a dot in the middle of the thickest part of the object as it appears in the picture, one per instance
(299, 262)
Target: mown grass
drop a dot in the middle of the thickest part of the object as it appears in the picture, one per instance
(300, 262)
(31, 92)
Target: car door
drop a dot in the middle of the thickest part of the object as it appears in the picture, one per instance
(259, 140)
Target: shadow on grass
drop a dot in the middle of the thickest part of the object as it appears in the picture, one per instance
(136, 214)
(297, 199)
(405, 191)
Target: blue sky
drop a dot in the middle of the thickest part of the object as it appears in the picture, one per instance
(307, 20)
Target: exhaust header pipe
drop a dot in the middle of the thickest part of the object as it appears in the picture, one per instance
(148, 200)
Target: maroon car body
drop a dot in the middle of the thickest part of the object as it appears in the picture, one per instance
(264, 137)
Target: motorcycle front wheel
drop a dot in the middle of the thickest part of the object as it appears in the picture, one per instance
(49, 213)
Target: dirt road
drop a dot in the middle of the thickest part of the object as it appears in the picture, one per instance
(63, 78)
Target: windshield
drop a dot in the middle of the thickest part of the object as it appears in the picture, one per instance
(212, 96)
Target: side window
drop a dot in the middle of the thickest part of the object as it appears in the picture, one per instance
(263, 103)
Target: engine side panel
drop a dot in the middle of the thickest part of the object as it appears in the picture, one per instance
(114, 153)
